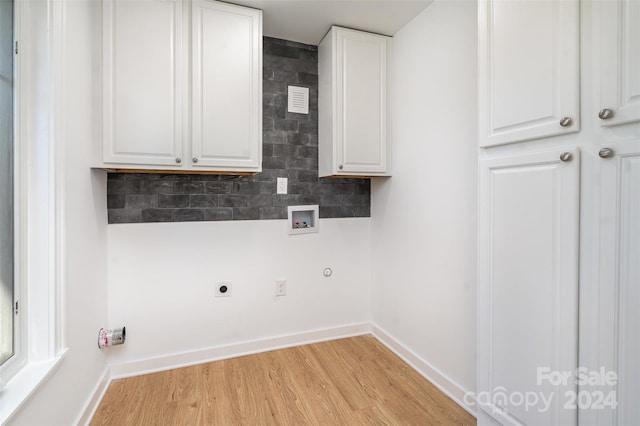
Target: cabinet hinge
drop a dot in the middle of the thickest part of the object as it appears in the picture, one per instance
(16, 47)
(16, 307)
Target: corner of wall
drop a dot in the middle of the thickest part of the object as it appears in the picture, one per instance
(424, 217)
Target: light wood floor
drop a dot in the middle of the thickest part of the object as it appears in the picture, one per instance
(354, 381)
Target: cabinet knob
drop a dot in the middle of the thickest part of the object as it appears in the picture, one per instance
(194, 159)
(565, 121)
(566, 156)
(178, 160)
(605, 153)
(340, 167)
(605, 114)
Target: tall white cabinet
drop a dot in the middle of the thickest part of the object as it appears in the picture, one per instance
(182, 86)
(528, 280)
(559, 211)
(616, 340)
(618, 295)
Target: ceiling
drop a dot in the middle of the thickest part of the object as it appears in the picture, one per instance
(307, 21)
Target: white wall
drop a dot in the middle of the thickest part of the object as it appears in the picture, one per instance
(424, 217)
(63, 396)
(162, 283)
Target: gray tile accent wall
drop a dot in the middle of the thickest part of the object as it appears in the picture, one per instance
(290, 149)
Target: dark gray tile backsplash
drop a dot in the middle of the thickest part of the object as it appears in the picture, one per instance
(290, 149)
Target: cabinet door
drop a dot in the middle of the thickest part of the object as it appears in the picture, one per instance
(528, 284)
(527, 70)
(227, 87)
(142, 89)
(361, 109)
(619, 283)
(617, 36)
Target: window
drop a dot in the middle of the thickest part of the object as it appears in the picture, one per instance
(8, 334)
(30, 103)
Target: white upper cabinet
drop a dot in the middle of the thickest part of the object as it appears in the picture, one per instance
(182, 86)
(143, 82)
(352, 104)
(617, 43)
(528, 70)
(227, 86)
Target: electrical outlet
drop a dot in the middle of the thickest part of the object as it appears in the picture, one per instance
(223, 288)
(281, 186)
(281, 287)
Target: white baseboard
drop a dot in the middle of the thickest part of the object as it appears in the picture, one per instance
(449, 387)
(185, 359)
(94, 401)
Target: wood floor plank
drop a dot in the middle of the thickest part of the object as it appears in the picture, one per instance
(152, 399)
(396, 402)
(183, 382)
(110, 409)
(252, 406)
(312, 381)
(376, 416)
(401, 376)
(292, 408)
(354, 381)
(217, 405)
(389, 373)
(349, 385)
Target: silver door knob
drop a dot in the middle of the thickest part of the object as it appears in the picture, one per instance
(605, 153)
(194, 159)
(178, 160)
(605, 114)
(565, 121)
(340, 167)
(566, 156)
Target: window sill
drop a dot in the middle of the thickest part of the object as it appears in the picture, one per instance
(24, 384)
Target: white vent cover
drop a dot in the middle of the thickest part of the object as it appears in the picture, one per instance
(299, 99)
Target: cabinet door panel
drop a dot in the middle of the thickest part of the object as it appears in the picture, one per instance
(528, 282)
(227, 86)
(142, 82)
(619, 59)
(619, 286)
(528, 69)
(362, 113)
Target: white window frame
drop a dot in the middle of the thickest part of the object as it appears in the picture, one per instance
(40, 342)
(18, 360)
